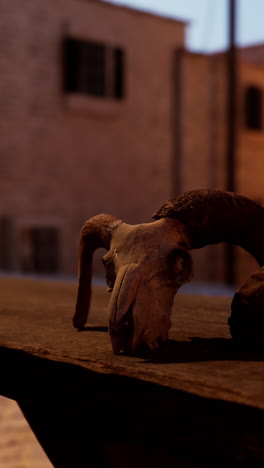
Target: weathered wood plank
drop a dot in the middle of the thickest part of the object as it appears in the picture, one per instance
(198, 401)
(200, 358)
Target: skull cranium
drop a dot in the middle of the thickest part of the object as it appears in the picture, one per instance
(145, 266)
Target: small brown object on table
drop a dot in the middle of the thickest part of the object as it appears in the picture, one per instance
(196, 401)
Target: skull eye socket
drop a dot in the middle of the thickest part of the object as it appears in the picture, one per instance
(179, 263)
(110, 272)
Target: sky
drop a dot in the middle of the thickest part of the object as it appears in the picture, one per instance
(208, 19)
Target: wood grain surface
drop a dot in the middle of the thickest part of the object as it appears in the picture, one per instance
(201, 358)
(197, 401)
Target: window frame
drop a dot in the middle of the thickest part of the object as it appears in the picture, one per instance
(110, 69)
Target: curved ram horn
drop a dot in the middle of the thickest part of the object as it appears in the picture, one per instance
(246, 321)
(96, 233)
(213, 216)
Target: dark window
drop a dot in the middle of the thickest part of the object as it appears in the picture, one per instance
(39, 250)
(93, 68)
(119, 73)
(253, 108)
(7, 243)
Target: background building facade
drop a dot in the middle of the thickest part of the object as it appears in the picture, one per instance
(103, 110)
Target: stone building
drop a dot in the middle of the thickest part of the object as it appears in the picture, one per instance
(102, 109)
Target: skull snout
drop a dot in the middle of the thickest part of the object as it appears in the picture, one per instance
(139, 310)
(121, 306)
(145, 268)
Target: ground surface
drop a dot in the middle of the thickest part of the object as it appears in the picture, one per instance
(18, 445)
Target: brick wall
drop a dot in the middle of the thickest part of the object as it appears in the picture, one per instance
(204, 147)
(252, 54)
(65, 158)
(250, 157)
(203, 130)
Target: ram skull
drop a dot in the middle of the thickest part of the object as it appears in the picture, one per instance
(145, 266)
(147, 263)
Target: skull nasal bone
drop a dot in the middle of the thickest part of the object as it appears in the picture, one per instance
(123, 295)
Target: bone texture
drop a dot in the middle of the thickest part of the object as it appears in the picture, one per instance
(150, 266)
(145, 266)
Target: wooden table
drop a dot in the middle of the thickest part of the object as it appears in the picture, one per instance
(198, 401)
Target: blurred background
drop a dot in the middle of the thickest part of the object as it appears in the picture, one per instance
(117, 107)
